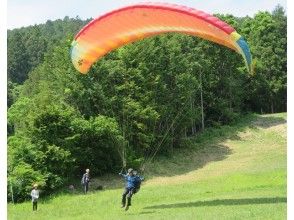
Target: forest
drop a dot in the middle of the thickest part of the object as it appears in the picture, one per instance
(139, 101)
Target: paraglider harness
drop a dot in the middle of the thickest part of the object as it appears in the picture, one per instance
(137, 184)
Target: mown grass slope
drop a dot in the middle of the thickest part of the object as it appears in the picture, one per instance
(232, 172)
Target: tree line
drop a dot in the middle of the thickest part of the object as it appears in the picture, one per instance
(138, 101)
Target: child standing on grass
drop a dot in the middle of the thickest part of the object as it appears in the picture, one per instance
(35, 197)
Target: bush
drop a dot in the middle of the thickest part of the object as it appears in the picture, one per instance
(21, 180)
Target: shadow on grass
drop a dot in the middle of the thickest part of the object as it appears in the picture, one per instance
(186, 160)
(269, 121)
(142, 213)
(222, 202)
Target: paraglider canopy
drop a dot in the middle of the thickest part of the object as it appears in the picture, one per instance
(135, 22)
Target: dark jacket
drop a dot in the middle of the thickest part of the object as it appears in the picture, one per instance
(131, 181)
(85, 178)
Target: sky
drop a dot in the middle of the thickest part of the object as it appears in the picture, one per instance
(29, 12)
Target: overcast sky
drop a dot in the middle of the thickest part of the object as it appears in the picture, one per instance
(29, 12)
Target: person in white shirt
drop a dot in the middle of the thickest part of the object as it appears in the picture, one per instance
(35, 197)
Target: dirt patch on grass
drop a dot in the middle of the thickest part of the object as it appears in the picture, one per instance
(260, 138)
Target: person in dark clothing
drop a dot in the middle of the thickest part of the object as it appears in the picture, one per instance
(131, 183)
(85, 180)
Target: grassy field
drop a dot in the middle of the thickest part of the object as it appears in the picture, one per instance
(233, 172)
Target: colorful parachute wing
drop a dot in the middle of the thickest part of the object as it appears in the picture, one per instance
(132, 23)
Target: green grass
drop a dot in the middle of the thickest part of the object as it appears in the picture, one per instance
(233, 172)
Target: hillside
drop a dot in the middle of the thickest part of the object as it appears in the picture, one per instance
(157, 91)
(231, 172)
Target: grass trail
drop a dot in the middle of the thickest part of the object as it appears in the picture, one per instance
(233, 172)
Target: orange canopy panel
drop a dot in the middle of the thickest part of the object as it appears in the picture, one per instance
(135, 22)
